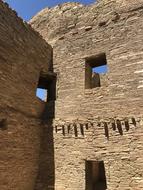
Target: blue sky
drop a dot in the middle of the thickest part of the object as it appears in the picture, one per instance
(28, 8)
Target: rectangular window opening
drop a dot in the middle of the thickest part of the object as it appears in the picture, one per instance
(46, 89)
(95, 66)
(95, 175)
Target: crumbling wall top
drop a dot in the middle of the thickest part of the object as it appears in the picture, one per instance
(54, 22)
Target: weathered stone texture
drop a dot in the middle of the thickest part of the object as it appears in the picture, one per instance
(23, 55)
(112, 115)
(98, 124)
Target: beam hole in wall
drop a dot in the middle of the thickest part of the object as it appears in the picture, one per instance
(106, 130)
(75, 130)
(119, 126)
(82, 129)
(94, 67)
(46, 89)
(3, 124)
(95, 175)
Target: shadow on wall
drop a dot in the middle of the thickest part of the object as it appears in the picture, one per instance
(46, 174)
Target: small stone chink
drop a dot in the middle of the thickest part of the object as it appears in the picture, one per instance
(115, 17)
(61, 38)
(102, 23)
(87, 28)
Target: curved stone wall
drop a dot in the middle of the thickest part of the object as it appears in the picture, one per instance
(104, 123)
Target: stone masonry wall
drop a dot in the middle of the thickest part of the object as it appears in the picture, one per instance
(23, 55)
(103, 123)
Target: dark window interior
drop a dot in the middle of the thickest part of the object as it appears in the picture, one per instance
(93, 68)
(47, 88)
(95, 175)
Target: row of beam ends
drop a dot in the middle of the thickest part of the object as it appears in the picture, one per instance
(77, 129)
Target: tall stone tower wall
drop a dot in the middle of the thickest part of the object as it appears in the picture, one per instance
(103, 123)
